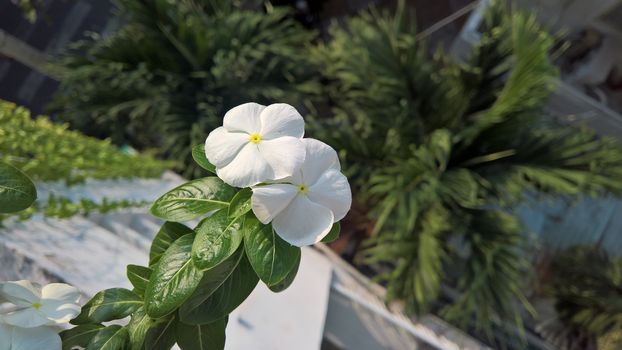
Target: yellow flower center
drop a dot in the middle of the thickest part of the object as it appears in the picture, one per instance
(36, 306)
(303, 188)
(255, 138)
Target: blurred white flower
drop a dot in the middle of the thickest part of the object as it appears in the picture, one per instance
(257, 144)
(54, 303)
(303, 207)
(38, 338)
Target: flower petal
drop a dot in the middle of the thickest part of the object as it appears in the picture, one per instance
(268, 201)
(303, 222)
(58, 311)
(284, 154)
(6, 336)
(244, 117)
(248, 168)
(21, 293)
(35, 338)
(281, 119)
(221, 146)
(319, 158)
(27, 318)
(61, 292)
(332, 191)
(59, 302)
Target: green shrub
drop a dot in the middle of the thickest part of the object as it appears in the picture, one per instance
(50, 152)
(441, 152)
(167, 76)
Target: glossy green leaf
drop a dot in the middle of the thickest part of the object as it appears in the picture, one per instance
(333, 235)
(217, 238)
(212, 280)
(79, 336)
(108, 305)
(17, 192)
(289, 279)
(225, 299)
(198, 154)
(241, 203)
(161, 336)
(271, 257)
(169, 232)
(209, 336)
(173, 280)
(112, 337)
(137, 329)
(193, 199)
(138, 277)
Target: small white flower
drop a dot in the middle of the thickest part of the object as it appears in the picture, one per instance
(54, 303)
(257, 144)
(38, 338)
(304, 207)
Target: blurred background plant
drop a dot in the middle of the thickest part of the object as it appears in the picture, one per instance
(441, 153)
(586, 284)
(48, 151)
(166, 77)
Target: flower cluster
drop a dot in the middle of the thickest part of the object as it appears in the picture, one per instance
(36, 314)
(296, 182)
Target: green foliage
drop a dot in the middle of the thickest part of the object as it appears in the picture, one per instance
(441, 152)
(110, 338)
(202, 337)
(49, 152)
(108, 305)
(193, 199)
(218, 238)
(169, 74)
(17, 192)
(587, 288)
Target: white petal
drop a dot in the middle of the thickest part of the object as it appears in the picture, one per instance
(248, 168)
(36, 338)
(21, 293)
(281, 119)
(221, 146)
(59, 311)
(27, 318)
(6, 332)
(268, 201)
(244, 117)
(303, 222)
(332, 191)
(61, 292)
(284, 154)
(319, 158)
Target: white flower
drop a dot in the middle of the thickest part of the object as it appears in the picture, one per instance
(38, 338)
(304, 207)
(36, 306)
(257, 144)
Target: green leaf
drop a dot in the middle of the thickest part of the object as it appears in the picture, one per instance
(169, 233)
(198, 154)
(173, 280)
(289, 279)
(138, 277)
(212, 280)
(137, 328)
(79, 336)
(217, 238)
(162, 336)
(225, 299)
(108, 305)
(333, 235)
(17, 192)
(193, 199)
(271, 257)
(112, 337)
(210, 336)
(241, 203)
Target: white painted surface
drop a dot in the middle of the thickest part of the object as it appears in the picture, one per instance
(292, 319)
